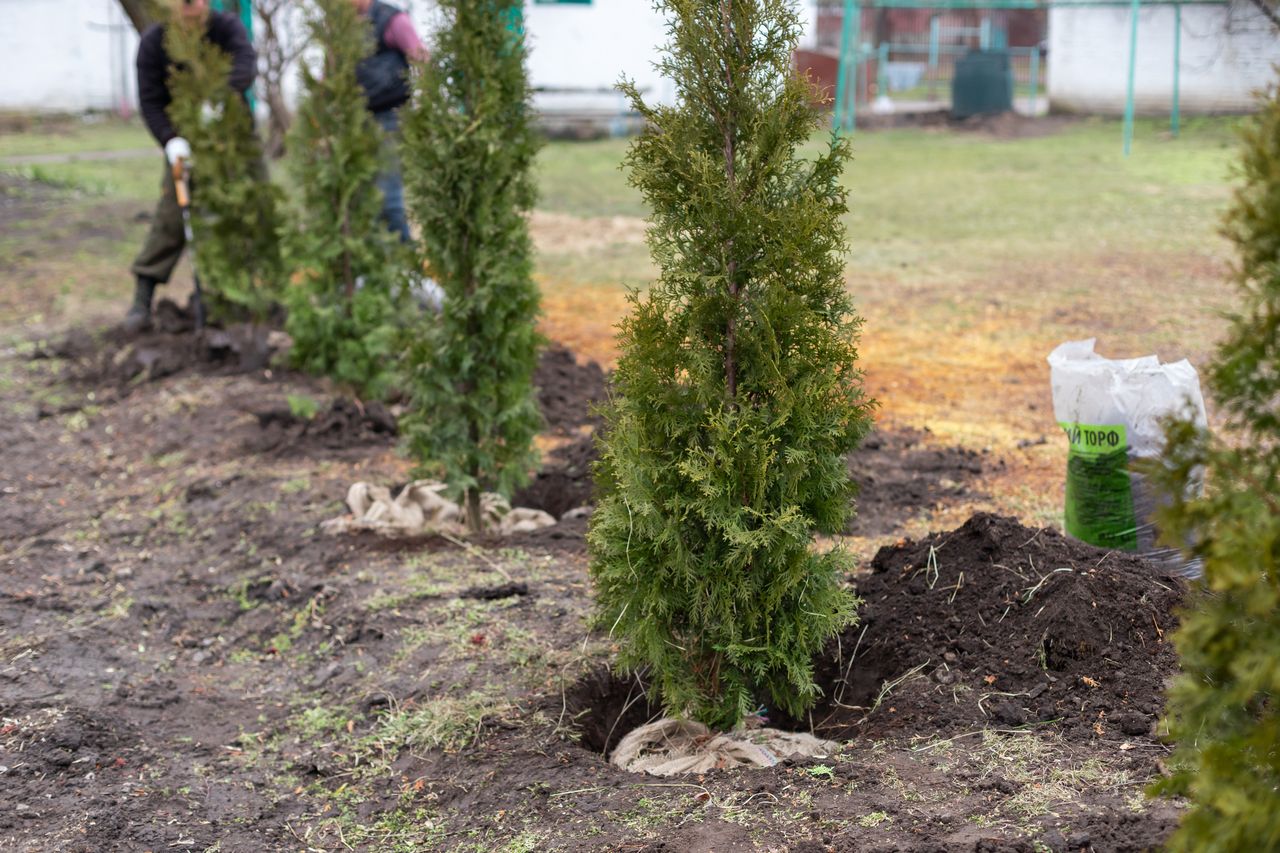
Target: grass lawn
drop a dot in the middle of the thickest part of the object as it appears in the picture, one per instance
(970, 255)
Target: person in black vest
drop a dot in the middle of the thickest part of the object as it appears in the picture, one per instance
(384, 76)
(165, 241)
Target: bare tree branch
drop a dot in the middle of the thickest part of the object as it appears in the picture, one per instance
(280, 43)
(1269, 11)
(139, 12)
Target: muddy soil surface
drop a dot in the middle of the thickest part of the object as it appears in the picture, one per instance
(115, 361)
(568, 389)
(901, 475)
(186, 662)
(999, 624)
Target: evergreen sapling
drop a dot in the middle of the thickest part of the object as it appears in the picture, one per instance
(342, 305)
(470, 145)
(1222, 709)
(737, 395)
(234, 206)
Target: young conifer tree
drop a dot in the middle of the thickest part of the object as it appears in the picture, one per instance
(1223, 709)
(470, 144)
(341, 303)
(235, 207)
(737, 396)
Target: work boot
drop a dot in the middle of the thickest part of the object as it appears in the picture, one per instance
(139, 317)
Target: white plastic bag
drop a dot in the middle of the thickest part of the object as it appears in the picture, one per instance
(1111, 411)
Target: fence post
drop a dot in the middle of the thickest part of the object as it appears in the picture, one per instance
(1175, 119)
(1035, 79)
(882, 73)
(847, 71)
(1133, 58)
(935, 34)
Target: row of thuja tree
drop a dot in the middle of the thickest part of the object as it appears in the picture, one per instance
(737, 395)
(345, 281)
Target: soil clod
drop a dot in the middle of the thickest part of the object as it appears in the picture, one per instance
(997, 624)
(567, 390)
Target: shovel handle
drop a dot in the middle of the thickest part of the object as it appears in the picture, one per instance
(180, 182)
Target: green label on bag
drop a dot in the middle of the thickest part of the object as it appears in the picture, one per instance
(1099, 506)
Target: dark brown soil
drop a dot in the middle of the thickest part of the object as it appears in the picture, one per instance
(993, 624)
(186, 663)
(568, 389)
(343, 425)
(565, 480)
(999, 624)
(116, 360)
(901, 474)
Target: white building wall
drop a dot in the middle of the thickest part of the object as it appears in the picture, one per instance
(76, 55)
(1228, 52)
(593, 47)
(66, 56)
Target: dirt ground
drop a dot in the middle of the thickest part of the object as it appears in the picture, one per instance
(187, 662)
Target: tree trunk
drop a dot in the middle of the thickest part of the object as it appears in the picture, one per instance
(139, 13)
(475, 521)
(730, 155)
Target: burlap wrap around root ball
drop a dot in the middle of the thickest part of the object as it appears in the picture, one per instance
(422, 508)
(670, 746)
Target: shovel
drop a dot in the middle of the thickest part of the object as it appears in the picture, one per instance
(181, 178)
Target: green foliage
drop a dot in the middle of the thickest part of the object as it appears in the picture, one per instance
(1222, 709)
(470, 145)
(341, 301)
(738, 395)
(235, 208)
(303, 407)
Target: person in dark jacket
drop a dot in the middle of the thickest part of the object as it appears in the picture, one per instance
(165, 241)
(384, 76)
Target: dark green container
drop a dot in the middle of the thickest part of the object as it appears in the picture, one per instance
(983, 84)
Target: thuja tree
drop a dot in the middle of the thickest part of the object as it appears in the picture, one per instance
(1223, 709)
(737, 396)
(470, 145)
(341, 305)
(235, 208)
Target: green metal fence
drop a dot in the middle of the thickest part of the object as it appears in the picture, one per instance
(868, 63)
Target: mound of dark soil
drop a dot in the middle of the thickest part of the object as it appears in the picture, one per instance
(567, 389)
(564, 482)
(997, 624)
(172, 346)
(993, 625)
(899, 476)
(344, 424)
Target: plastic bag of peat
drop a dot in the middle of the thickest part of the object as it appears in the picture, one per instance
(1111, 411)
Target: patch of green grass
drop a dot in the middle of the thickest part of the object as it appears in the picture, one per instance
(822, 771)
(304, 617)
(118, 608)
(586, 179)
(303, 407)
(319, 723)
(946, 201)
(874, 819)
(77, 136)
(446, 723)
(295, 485)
